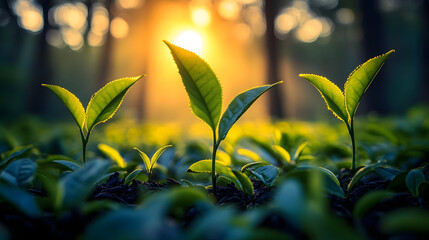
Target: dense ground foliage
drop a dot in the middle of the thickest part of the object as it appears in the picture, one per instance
(301, 185)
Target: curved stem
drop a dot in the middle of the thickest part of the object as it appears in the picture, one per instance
(215, 146)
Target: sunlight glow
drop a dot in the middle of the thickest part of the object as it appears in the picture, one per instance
(345, 16)
(229, 9)
(72, 37)
(100, 20)
(29, 14)
(201, 17)
(119, 28)
(94, 39)
(309, 31)
(191, 41)
(129, 4)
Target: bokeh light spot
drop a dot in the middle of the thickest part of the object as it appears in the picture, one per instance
(119, 28)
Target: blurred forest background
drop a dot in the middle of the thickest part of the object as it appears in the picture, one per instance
(81, 45)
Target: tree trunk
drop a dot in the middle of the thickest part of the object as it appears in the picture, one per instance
(373, 42)
(276, 109)
(425, 53)
(106, 53)
(41, 69)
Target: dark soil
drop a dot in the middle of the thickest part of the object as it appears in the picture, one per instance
(231, 195)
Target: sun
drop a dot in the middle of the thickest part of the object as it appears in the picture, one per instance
(191, 41)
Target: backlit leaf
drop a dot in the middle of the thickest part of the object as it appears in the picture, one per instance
(112, 154)
(201, 84)
(132, 175)
(245, 183)
(238, 107)
(157, 154)
(72, 103)
(359, 81)
(221, 170)
(285, 155)
(145, 159)
(206, 166)
(330, 92)
(106, 101)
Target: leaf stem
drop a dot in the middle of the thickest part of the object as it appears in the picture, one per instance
(352, 136)
(215, 147)
(84, 143)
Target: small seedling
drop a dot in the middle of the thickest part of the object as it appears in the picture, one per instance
(150, 163)
(205, 97)
(344, 105)
(101, 107)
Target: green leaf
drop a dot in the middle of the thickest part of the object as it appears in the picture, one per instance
(15, 153)
(253, 165)
(298, 151)
(238, 107)
(359, 81)
(20, 172)
(72, 103)
(205, 166)
(201, 84)
(361, 173)
(76, 186)
(157, 154)
(245, 183)
(132, 175)
(69, 164)
(285, 155)
(145, 159)
(106, 101)
(368, 201)
(331, 183)
(267, 174)
(20, 199)
(413, 180)
(113, 154)
(398, 183)
(330, 92)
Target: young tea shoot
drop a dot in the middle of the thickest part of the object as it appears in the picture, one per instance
(149, 163)
(102, 106)
(205, 97)
(344, 105)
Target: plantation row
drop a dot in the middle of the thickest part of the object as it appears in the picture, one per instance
(255, 181)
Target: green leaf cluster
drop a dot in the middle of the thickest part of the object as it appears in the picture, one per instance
(102, 106)
(205, 96)
(344, 105)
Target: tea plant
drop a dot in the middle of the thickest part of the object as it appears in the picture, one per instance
(149, 163)
(344, 105)
(101, 107)
(205, 95)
